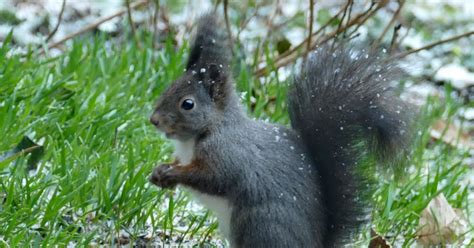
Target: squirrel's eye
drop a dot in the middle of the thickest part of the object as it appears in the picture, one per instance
(187, 104)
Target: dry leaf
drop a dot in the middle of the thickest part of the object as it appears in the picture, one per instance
(440, 223)
(377, 241)
(451, 134)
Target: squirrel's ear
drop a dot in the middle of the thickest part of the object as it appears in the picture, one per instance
(210, 44)
(215, 72)
(194, 56)
(218, 84)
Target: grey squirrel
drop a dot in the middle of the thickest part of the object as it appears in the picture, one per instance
(271, 185)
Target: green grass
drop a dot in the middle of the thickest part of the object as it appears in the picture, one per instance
(435, 168)
(88, 109)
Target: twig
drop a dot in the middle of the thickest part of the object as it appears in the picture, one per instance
(245, 22)
(132, 25)
(347, 7)
(353, 37)
(60, 18)
(227, 25)
(393, 43)
(155, 21)
(291, 56)
(390, 23)
(97, 23)
(285, 22)
(297, 47)
(311, 13)
(366, 15)
(402, 38)
(359, 20)
(351, 4)
(216, 5)
(343, 15)
(270, 21)
(166, 22)
(457, 37)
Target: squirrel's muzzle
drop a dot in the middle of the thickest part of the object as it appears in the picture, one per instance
(155, 119)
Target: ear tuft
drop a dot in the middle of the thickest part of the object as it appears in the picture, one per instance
(210, 45)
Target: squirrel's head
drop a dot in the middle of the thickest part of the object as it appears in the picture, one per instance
(204, 93)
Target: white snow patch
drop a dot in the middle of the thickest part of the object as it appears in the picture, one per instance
(458, 75)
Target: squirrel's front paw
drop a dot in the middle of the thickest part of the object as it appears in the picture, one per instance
(164, 176)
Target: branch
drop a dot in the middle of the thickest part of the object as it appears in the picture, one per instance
(457, 37)
(291, 51)
(60, 17)
(349, 3)
(393, 43)
(402, 38)
(347, 11)
(291, 56)
(366, 15)
(390, 23)
(311, 17)
(245, 22)
(155, 21)
(227, 25)
(97, 23)
(270, 21)
(130, 21)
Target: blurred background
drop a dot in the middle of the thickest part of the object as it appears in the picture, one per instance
(280, 26)
(78, 79)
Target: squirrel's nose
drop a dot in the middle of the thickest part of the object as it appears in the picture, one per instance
(154, 119)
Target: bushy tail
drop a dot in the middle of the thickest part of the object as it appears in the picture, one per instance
(342, 98)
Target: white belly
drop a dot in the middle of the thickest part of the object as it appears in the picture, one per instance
(218, 205)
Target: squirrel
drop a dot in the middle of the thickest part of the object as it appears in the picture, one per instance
(271, 185)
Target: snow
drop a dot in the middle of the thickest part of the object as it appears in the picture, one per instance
(458, 75)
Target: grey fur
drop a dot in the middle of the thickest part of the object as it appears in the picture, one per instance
(275, 178)
(343, 97)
